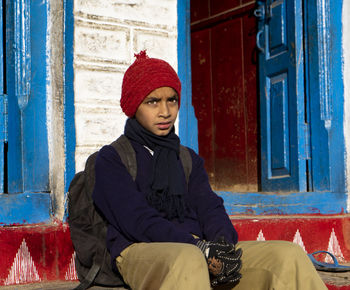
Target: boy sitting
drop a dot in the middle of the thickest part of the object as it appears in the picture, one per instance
(165, 232)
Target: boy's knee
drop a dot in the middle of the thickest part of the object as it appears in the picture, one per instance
(288, 251)
(190, 252)
(293, 248)
(187, 268)
(190, 256)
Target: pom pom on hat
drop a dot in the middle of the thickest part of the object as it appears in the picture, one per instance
(144, 76)
(141, 55)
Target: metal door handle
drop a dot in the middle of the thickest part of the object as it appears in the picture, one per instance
(258, 44)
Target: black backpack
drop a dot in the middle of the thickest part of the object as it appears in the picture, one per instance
(88, 227)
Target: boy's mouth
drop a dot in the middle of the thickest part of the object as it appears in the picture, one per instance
(164, 125)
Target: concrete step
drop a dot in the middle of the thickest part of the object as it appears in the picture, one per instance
(55, 285)
(334, 281)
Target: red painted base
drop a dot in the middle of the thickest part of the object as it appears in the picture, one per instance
(333, 287)
(44, 252)
(35, 253)
(329, 233)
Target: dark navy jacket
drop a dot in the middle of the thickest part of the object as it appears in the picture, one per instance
(123, 202)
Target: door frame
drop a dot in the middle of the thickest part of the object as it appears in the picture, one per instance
(313, 202)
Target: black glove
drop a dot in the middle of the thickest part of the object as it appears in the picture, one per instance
(223, 260)
(222, 279)
(230, 273)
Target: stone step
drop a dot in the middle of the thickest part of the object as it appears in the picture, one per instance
(333, 281)
(55, 285)
(336, 280)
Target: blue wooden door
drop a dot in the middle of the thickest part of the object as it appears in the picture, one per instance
(282, 99)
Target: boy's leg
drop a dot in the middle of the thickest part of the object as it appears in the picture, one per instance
(164, 266)
(278, 265)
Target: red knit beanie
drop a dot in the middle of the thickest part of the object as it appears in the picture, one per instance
(144, 76)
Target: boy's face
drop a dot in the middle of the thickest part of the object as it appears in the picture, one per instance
(158, 111)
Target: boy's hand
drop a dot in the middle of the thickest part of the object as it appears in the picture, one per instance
(230, 273)
(223, 260)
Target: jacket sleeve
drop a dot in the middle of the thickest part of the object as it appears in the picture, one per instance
(209, 206)
(126, 208)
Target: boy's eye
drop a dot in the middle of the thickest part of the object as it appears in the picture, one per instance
(173, 100)
(152, 102)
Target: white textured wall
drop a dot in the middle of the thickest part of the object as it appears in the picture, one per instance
(346, 59)
(107, 34)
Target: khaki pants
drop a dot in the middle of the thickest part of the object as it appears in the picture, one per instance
(277, 265)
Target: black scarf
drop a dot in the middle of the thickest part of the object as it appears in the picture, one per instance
(167, 187)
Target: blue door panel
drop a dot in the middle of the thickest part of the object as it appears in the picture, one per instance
(277, 126)
(35, 145)
(14, 154)
(281, 79)
(277, 35)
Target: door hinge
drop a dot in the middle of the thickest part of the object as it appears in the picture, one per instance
(307, 141)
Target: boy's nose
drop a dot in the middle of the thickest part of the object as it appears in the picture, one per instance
(164, 110)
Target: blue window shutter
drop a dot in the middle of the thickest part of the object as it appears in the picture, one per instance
(3, 103)
(27, 79)
(14, 41)
(282, 103)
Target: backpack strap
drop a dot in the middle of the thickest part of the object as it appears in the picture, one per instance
(186, 160)
(127, 154)
(99, 259)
